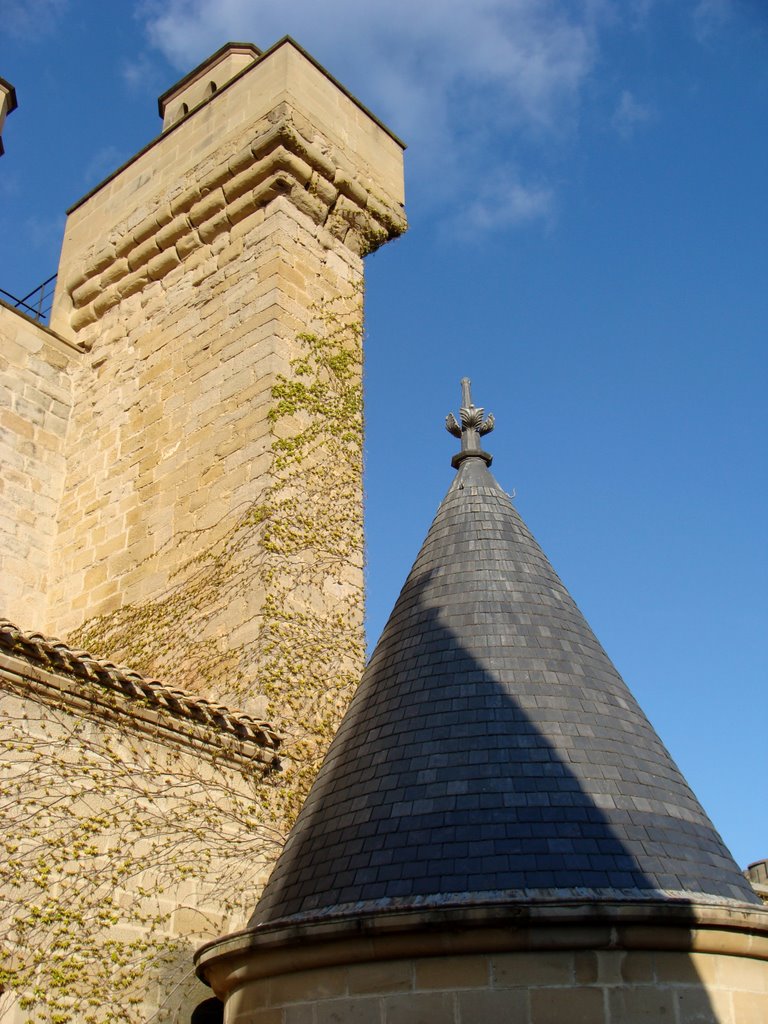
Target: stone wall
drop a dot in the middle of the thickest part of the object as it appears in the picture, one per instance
(197, 515)
(532, 988)
(757, 874)
(173, 447)
(199, 278)
(128, 834)
(36, 378)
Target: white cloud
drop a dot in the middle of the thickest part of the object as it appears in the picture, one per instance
(459, 81)
(507, 203)
(142, 75)
(534, 52)
(709, 16)
(27, 19)
(640, 10)
(629, 113)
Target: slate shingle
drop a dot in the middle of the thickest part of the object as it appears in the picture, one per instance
(510, 759)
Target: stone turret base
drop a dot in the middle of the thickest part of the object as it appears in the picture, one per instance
(566, 964)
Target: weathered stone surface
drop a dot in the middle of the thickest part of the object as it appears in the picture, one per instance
(219, 261)
(464, 989)
(340, 159)
(150, 503)
(60, 708)
(36, 385)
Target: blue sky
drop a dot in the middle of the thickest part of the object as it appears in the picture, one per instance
(586, 187)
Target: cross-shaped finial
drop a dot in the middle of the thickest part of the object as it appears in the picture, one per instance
(473, 427)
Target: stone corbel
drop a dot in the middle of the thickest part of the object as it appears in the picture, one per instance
(277, 162)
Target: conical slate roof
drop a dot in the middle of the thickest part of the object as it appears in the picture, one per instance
(492, 752)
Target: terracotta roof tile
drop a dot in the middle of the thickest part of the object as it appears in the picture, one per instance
(55, 656)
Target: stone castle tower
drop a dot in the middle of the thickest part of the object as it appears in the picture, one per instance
(181, 493)
(141, 441)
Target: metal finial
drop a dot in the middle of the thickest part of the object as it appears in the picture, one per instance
(473, 427)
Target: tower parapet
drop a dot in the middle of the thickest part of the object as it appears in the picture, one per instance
(204, 81)
(282, 126)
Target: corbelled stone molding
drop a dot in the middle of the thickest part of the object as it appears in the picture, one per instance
(279, 161)
(270, 951)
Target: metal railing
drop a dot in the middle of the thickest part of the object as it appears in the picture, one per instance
(36, 303)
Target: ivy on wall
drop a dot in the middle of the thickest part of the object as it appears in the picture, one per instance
(109, 840)
(108, 836)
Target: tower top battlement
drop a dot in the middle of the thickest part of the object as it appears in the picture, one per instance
(204, 81)
(281, 125)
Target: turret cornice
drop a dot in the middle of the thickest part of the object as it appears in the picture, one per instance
(277, 162)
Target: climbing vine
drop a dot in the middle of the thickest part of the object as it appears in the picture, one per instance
(300, 543)
(311, 652)
(110, 840)
(109, 837)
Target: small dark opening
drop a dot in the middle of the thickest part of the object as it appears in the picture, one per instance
(210, 1011)
(181, 112)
